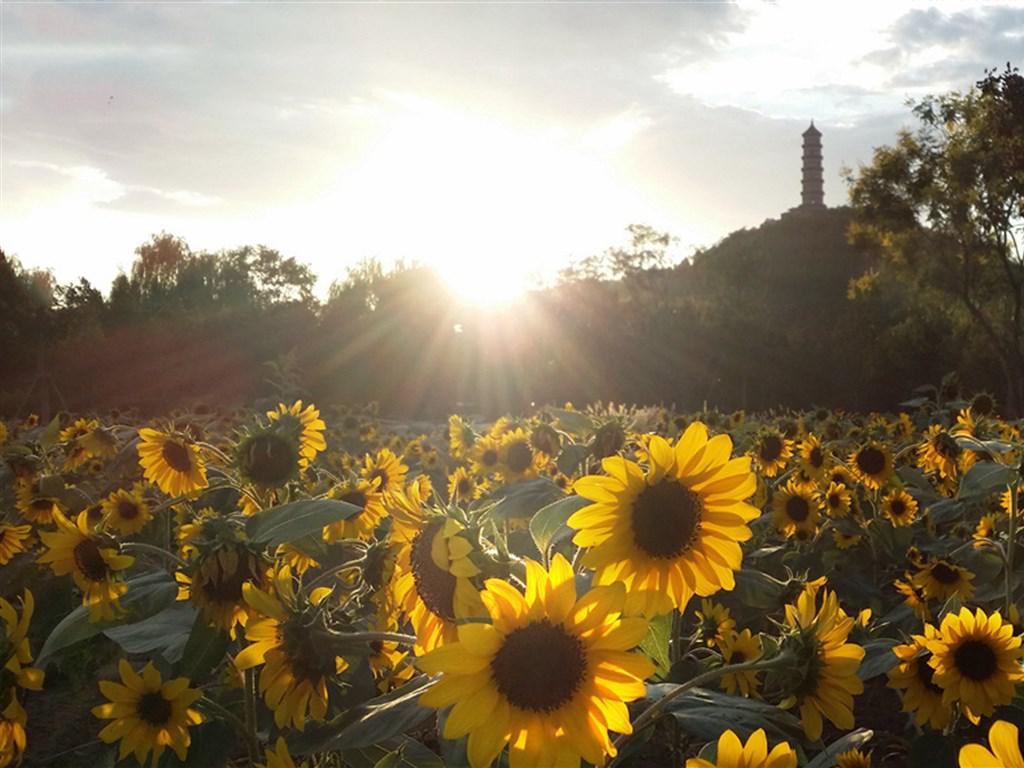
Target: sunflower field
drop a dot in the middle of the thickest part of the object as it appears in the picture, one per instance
(604, 586)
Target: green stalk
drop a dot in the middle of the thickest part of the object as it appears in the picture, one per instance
(652, 712)
(1011, 545)
(138, 546)
(252, 746)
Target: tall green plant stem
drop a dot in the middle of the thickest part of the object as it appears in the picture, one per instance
(1011, 545)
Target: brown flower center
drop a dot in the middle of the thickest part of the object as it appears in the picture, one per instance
(177, 456)
(770, 448)
(870, 460)
(127, 509)
(519, 457)
(666, 519)
(89, 560)
(435, 586)
(944, 574)
(925, 674)
(154, 709)
(816, 459)
(976, 660)
(797, 509)
(539, 667)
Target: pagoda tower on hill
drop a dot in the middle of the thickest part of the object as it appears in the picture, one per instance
(812, 185)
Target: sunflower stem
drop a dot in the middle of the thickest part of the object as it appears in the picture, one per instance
(374, 637)
(1011, 545)
(251, 744)
(654, 710)
(250, 712)
(138, 546)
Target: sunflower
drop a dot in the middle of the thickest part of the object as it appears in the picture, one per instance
(987, 527)
(939, 452)
(714, 621)
(386, 470)
(126, 511)
(771, 452)
(14, 539)
(148, 714)
(73, 549)
(914, 597)
(853, 758)
(839, 475)
(844, 540)
(517, 459)
(432, 572)
(941, 579)
(34, 505)
(796, 509)
(172, 462)
(13, 741)
(307, 423)
(672, 531)
(549, 676)
(813, 458)
(279, 757)
(826, 675)
(269, 457)
(913, 677)
(872, 464)
(296, 668)
(545, 439)
(14, 645)
(486, 456)
(739, 648)
(460, 437)
(899, 507)
(219, 576)
(976, 659)
(1004, 740)
(77, 455)
(733, 753)
(361, 525)
(463, 487)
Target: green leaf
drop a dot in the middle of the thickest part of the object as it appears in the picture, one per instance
(548, 525)
(573, 422)
(757, 589)
(51, 434)
(571, 458)
(655, 645)
(204, 650)
(878, 658)
(212, 745)
(984, 478)
(701, 714)
(284, 524)
(522, 500)
(164, 633)
(854, 740)
(372, 722)
(147, 596)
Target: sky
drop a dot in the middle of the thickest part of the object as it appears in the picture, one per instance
(495, 141)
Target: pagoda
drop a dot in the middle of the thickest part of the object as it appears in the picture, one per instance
(812, 184)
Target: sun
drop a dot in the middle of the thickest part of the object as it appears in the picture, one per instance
(485, 284)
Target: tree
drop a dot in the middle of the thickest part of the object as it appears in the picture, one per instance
(944, 207)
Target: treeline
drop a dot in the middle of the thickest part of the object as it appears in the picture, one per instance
(846, 307)
(761, 319)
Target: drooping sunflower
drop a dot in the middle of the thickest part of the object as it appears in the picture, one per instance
(713, 621)
(517, 459)
(899, 507)
(361, 493)
(270, 457)
(13, 739)
(672, 531)
(977, 661)
(309, 426)
(34, 505)
(739, 648)
(939, 452)
(486, 456)
(796, 508)
(387, 470)
(460, 437)
(95, 567)
(813, 457)
(433, 571)
(1004, 752)
(463, 487)
(14, 645)
(826, 674)
(772, 452)
(296, 668)
(14, 539)
(733, 753)
(218, 575)
(872, 464)
(172, 462)
(148, 714)
(76, 454)
(941, 579)
(986, 527)
(914, 597)
(549, 676)
(126, 510)
(844, 540)
(913, 677)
